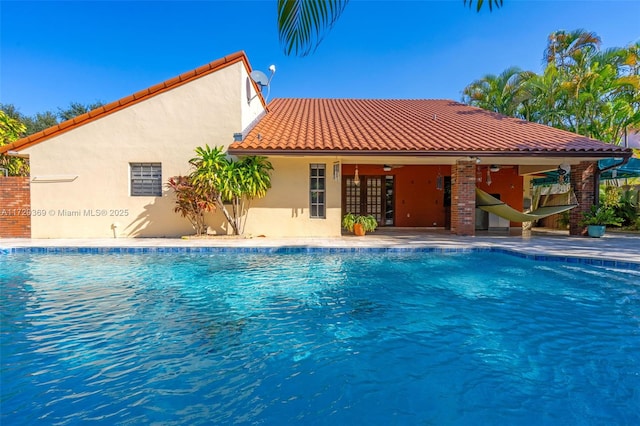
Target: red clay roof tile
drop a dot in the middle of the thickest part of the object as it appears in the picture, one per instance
(391, 126)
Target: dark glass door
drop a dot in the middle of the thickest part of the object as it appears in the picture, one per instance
(373, 195)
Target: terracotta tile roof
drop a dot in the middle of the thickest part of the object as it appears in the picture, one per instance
(407, 127)
(128, 101)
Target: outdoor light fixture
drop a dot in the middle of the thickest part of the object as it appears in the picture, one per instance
(563, 173)
(356, 177)
(494, 168)
(386, 168)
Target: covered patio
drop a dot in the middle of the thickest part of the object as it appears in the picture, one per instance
(417, 163)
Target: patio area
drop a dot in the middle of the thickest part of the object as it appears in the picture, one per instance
(540, 243)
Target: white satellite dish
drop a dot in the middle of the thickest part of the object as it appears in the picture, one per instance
(262, 80)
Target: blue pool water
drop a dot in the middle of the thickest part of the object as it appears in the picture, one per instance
(350, 338)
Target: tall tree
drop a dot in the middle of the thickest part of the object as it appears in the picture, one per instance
(582, 89)
(46, 119)
(75, 109)
(10, 131)
(502, 93)
(544, 98)
(566, 48)
(302, 24)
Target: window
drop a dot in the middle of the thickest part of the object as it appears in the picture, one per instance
(146, 179)
(317, 190)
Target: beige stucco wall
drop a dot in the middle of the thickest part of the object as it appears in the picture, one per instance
(81, 179)
(285, 209)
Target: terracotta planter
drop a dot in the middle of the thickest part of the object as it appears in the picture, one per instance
(358, 230)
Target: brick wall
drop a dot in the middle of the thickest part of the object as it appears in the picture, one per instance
(583, 178)
(15, 207)
(463, 198)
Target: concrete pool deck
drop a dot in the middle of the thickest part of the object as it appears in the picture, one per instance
(614, 246)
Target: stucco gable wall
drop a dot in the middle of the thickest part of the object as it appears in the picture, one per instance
(86, 170)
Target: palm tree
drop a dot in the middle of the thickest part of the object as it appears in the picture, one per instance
(582, 89)
(228, 181)
(565, 48)
(302, 24)
(498, 93)
(543, 98)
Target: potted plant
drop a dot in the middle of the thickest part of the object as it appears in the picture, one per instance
(359, 224)
(597, 219)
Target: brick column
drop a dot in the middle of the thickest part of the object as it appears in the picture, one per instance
(463, 198)
(583, 179)
(15, 207)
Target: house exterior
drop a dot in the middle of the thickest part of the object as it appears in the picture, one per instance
(410, 163)
(103, 174)
(418, 162)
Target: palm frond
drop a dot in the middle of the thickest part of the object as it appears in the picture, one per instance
(480, 3)
(302, 24)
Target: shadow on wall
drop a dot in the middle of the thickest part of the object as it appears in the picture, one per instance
(297, 211)
(158, 220)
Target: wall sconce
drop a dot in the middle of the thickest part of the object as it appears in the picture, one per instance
(564, 171)
(336, 170)
(356, 177)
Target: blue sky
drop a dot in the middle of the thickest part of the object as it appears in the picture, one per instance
(53, 53)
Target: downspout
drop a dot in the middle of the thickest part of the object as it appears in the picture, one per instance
(596, 189)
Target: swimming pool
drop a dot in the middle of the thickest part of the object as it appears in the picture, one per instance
(320, 338)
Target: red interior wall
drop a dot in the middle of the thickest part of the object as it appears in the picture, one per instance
(420, 204)
(505, 182)
(417, 201)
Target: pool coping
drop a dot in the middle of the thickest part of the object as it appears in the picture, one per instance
(610, 263)
(616, 251)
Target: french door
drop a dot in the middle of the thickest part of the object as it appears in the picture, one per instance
(373, 195)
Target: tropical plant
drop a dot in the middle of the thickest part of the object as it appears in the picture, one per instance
(600, 215)
(582, 89)
(502, 93)
(190, 203)
(368, 222)
(231, 182)
(302, 24)
(10, 131)
(566, 48)
(623, 201)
